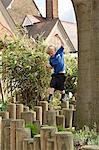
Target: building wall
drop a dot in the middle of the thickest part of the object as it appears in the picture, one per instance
(21, 8)
(52, 40)
(4, 27)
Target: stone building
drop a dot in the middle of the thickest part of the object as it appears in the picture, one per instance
(7, 25)
(19, 8)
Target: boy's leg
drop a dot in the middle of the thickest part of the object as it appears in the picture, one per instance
(63, 96)
(51, 92)
(52, 87)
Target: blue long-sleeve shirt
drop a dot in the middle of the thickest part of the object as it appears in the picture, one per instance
(57, 61)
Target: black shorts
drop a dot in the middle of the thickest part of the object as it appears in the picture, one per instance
(57, 81)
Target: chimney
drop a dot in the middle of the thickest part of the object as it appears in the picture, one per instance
(51, 9)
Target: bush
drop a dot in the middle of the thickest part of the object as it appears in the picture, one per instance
(3, 105)
(85, 137)
(24, 70)
(71, 74)
(34, 129)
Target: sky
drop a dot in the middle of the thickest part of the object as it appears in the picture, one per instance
(66, 11)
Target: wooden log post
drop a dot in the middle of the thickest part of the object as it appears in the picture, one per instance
(19, 110)
(64, 141)
(46, 133)
(5, 124)
(28, 144)
(7, 138)
(68, 113)
(72, 106)
(26, 108)
(51, 117)
(14, 124)
(44, 105)
(21, 134)
(60, 112)
(37, 143)
(50, 144)
(11, 108)
(60, 120)
(0, 130)
(65, 104)
(90, 147)
(38, 110)
(29, 117)
(4, 114)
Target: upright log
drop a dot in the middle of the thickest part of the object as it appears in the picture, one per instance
(4, 114)
(60, 112)
(60, 120)
(37, 143)
(5, 124)
(65, 104)
(50, 144)
(19, 110)
(64, 141)
(44, 105)
(38, 110)
(28, 144)
(47, 132)
(7, 138)
(21, 134)
(0, 130)
(29, 117)
(51, 117)
(11, 108)
(68, 113)
(26, 108)
(14, 124)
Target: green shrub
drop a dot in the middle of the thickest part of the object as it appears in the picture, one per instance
(34, 129)
(85, 137)
(71, 74)
(24, 70)
(3, 105)
(60, 128)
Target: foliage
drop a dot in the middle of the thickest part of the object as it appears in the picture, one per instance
(60, 128)
(71, 74)
(34, 129)
(3, 105)
(24, 70)
(85, 137)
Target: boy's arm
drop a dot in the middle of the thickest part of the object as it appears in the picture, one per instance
(48, 66)
(58, 37)
(61, 49)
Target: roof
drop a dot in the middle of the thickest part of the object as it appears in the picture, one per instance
(6, 3)
(42, 28)
(71, 29)
(20, 8)
(30, 20)
(7, 18)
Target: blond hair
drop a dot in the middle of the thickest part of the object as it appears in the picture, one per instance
(49, 48)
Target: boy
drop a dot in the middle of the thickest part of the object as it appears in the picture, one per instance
(56, 61)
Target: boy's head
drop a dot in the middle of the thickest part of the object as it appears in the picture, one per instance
(51, 50)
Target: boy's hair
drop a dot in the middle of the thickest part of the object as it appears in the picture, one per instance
(50, 48)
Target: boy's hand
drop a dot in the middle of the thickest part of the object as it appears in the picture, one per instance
(48, 66)
(57, 35)
(62, 44)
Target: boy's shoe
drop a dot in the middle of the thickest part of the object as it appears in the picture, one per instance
(63, 99)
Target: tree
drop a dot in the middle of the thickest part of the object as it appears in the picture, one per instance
(24, 70)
